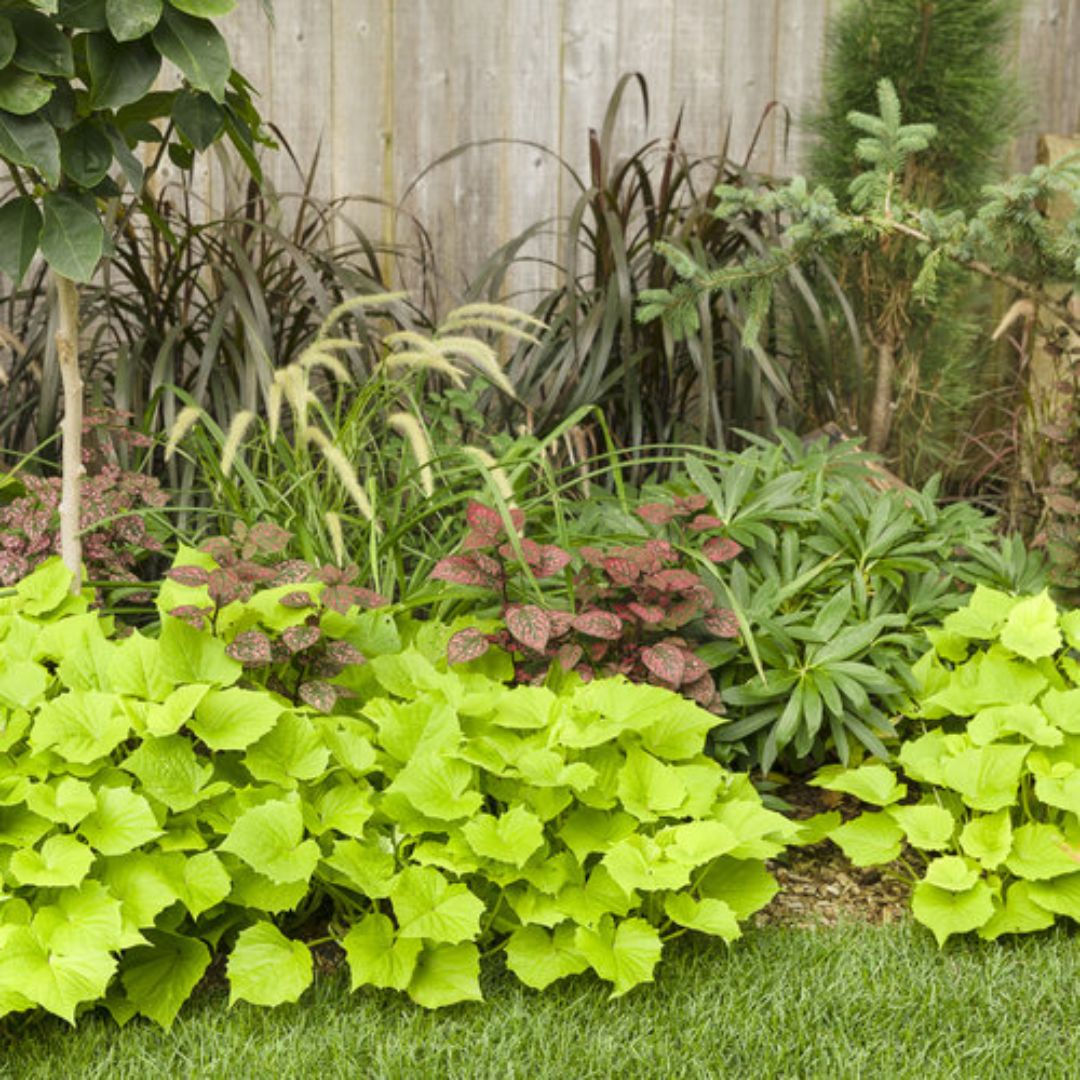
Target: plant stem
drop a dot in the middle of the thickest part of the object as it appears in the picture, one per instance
(67, 348)
(881, 407)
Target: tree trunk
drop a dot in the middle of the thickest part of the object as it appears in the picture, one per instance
(881, 408)
(67, 348)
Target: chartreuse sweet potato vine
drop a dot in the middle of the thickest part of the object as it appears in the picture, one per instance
(159, 804)
(995, 776)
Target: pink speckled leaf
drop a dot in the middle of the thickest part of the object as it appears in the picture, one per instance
(599, 624)
(298, 599)
(672, 580)
(298, 638)
(666, 662)
(529, 624)
(722, 623)
(193, 577)
(656, 513)
(720, 549)
(252, 648)
(319, 695)
(550, 560)
(465, 645)
(705, 523)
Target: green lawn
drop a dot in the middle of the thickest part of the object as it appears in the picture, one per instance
(857, 1001)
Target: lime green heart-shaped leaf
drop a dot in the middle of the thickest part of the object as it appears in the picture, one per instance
(625, 954)
(1020, 914)
(446, 975)
(927, 826)
(122, 822)
(988, 838)
(61, 861)
(266, 968)
(427, 906)
(1039, 851)
(707, 916)
(269, 839)
(512, 837)
(81, 726)
(159, 977)
(869, 839)
(377, 956)
(233, 719)
(947, 912)
(59, 983)
(1031, 629)
(952, 873)
(874, 783)
(539, 957)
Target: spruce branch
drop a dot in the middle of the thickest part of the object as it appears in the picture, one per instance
(1006, 239)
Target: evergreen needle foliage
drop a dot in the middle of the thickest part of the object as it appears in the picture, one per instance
(913, 251)
(944, 59)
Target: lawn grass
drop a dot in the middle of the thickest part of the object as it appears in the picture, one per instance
(879, 1002)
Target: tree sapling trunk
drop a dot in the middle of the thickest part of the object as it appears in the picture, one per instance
(881, 408)
(67, 348)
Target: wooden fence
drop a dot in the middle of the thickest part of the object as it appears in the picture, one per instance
(384, 88)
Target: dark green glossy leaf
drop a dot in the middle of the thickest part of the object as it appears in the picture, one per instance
(182, 157)
(132, 19)
(197, 48)
(31, 141)
(73, 238)
(7, 41)
(86, 154)
(20, 230)
(205, 9)
(83, 14)
(42, 47)
(131, 166)
(22, 92)
(199, 118)
(60, 110)
(120, 74)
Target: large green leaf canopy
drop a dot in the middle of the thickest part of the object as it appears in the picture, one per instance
(77, 100)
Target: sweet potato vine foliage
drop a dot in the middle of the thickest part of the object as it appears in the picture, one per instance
(160, 804)
(988, 795)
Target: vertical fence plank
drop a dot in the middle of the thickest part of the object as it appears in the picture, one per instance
(645, 43)
(589, 53)
(447, 95)
(799, 44)
(529, 175)
(699, 75)
(300, 92)
(359, 132)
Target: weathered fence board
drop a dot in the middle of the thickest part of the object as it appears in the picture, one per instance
(384, 88)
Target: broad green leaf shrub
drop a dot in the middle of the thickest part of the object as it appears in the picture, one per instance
(159, 806)
(77, 104)
(987, 798)
(836, 581)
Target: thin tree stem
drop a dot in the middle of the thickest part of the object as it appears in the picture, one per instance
(881, 407)
(67, 348)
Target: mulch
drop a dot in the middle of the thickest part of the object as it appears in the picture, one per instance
(818, 886)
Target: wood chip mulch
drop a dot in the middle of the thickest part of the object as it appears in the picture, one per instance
(819, 887)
